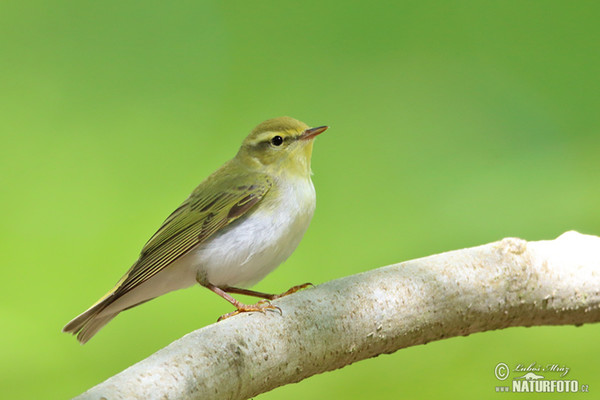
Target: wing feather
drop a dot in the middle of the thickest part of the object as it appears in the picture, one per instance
(205, 212)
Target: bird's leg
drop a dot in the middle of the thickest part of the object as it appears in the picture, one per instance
(266, 295)
(261, 306)
(293, 289)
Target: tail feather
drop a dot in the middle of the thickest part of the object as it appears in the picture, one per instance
(93, 326)
(88, 323)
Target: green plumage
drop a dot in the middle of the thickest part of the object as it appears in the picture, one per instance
(214, 204)
(276, 151)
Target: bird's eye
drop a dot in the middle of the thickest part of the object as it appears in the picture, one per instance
(276, 140)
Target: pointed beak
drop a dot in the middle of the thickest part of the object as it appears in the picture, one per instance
(312, 132)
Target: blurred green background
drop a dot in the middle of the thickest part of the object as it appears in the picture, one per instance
(452, 124)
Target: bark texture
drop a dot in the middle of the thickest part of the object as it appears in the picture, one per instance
(498, 285)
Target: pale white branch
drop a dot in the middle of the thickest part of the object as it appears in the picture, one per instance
(498, 285)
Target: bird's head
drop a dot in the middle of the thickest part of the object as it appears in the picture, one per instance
(280, 146)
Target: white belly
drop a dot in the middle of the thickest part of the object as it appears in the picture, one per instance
(246, 251)
(240, 255)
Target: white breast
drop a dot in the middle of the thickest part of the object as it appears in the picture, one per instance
(242, 254)
(246, 251)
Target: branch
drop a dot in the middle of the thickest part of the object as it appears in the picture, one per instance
(498, 285)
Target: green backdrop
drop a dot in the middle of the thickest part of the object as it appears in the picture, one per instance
(453, 124)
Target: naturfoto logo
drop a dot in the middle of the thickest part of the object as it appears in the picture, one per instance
(537, 378)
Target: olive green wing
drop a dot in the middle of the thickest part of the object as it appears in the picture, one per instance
(212, 206)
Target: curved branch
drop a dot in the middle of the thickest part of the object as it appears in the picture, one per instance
(498, 285)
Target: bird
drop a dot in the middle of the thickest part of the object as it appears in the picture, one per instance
(236, 227)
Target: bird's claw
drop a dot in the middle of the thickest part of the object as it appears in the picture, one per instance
(266, 305)
(262, 306)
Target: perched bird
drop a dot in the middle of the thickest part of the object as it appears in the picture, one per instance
(237, 226)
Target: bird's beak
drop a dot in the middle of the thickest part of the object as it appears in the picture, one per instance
(312, 132)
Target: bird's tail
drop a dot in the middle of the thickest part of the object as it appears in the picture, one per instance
(88, 323)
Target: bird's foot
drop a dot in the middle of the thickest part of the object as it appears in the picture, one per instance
(262, 306)
(292, 290)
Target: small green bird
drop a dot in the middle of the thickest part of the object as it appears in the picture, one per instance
(237, 226)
